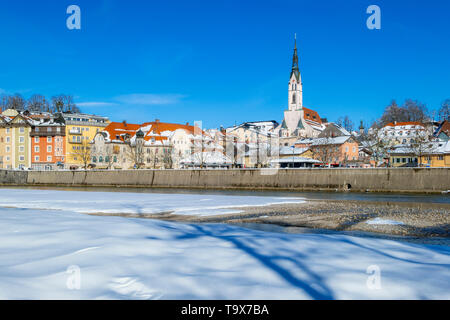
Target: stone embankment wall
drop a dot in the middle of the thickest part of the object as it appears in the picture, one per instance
(377, 180)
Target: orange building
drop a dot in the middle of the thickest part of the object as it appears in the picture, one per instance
(48, 144)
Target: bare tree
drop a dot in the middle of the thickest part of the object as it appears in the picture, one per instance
(16, 102)
(83, 153)
(4, 102)
(444, 111)
(325, 150)
(167, 158)
(38, 103)
(412, 110)
(345, 123)
(135, 152)
(375, 143)
(64, 103)
(421, 145)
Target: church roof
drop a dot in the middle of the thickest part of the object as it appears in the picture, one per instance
(311, 115)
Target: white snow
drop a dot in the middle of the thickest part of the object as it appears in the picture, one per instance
(42, 252)
(134, 203)
(384, 222)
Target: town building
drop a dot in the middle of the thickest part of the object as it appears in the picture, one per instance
(332, 151)
(48, 143)
(17, 143)
(80, 131)
(436, 154)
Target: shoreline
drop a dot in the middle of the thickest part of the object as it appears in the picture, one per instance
(422, 220)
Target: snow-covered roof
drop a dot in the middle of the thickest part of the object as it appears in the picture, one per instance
(295, 159)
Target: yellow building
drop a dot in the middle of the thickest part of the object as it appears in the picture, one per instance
(437, 157)
(80, 131)
(15, 140)
(5, 143)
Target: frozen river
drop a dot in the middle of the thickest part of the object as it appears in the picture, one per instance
(49, 249)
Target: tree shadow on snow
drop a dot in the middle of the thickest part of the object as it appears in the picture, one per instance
(313, 285)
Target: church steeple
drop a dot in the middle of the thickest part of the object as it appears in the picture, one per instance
(295, 69)
(295, 83)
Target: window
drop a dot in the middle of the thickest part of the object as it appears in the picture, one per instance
(21, 149)
(36, 139)
(346, 149)
(100, 159)
(8, 148)
(49, 148)
(21, 139)
(115, 159)
(94, 159)
(58, 129)
(440, 157)
(49, 129)
(21, 129)
(22, 158)
(7, 130)
(49, 139)
(107, 159)
(8, 139)
(36, 158)
(49, 158)
(404, 160)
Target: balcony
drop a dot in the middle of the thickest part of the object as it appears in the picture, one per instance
(75, 131)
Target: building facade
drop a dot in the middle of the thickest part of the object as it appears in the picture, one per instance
(80, 131)
(48, 144)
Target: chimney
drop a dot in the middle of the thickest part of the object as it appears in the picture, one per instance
(124, 123)
(187, 123)
(157, 120)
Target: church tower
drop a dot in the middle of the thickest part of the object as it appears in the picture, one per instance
(295, 84)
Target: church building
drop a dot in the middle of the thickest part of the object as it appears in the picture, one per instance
(298, 121)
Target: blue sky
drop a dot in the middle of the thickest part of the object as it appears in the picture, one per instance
(226, 61)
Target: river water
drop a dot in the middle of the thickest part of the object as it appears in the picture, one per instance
(309, 195)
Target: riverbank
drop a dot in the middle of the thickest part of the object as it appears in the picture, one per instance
(425, 220)
(398, 180)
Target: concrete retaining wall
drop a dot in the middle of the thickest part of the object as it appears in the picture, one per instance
(392, 179)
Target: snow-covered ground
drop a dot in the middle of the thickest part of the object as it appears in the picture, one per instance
(384, 221)
(63, 254)
(133, 203)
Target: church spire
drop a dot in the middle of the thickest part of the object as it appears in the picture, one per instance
(295, 68)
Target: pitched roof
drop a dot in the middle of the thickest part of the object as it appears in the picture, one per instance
(408, 123)
(311, 115)
(117, 130)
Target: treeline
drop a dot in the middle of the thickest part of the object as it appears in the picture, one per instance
(413, 110)
(410, 110)
(39, 103)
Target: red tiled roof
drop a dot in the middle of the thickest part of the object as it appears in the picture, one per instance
(445, 127)
(408, 123)
(311, 115)
(119, 129)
